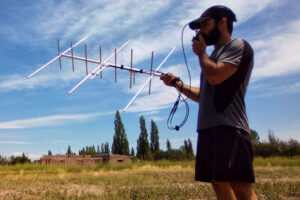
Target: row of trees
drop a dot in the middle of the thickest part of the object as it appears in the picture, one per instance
(14, 160)
(90, 150)
(150, 151)
(144, 149)
(274, 147)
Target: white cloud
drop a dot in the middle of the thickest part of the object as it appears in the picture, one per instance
(14, 142)
(16, 153)
(169, 34)
(277, 55)
(35, 156)
(156, 118)
(71, 19)
(157, 101)
(103, 18)
(127, 17)
(54, 120)
(263, 90)
(18, 82)
(161, 95)
(149, 113)
(11, 135)
(49, 77)
(244, 10)
(67, 19)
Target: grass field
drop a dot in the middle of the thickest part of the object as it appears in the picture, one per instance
(277, 178)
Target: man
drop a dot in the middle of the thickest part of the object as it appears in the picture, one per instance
(224, 151)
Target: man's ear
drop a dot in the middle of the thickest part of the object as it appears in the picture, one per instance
(223, 23)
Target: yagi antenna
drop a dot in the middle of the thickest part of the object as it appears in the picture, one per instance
(101, 65)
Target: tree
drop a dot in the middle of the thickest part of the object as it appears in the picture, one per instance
(49, 153)
(254, 136)
(102, 148)
(4, 160)
(82, 151)
(275, 144)
(89, 150)
(143, 149)
(263, 149)
(106, 148)
(69, 151)
(132, 152)
(168, 145)
(98, 149)
(292, 148)
(154, 144)
(272, 138)
(190, 151)
(120, 143)
(19, 159)
(187, 149)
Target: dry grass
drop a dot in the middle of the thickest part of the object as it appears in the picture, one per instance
(162, 180)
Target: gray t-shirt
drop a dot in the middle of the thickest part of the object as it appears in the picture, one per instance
(224, 104)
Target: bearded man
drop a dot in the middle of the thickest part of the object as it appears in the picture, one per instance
(224, 151)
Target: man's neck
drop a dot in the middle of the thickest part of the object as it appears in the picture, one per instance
(223, 40)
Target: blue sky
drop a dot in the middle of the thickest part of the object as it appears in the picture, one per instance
(38, 115)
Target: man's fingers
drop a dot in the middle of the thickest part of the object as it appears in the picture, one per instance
(200, 38)
(199, 46)
(162, 77)
(169, 79)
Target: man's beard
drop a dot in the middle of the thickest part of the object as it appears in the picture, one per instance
(213, 37)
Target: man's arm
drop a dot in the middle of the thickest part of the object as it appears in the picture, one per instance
(215, 73)
(171, 80)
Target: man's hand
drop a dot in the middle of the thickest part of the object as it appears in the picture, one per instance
(169, 79)
(199, 46)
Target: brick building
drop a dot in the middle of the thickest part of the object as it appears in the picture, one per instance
(84, 160)
(113, 158)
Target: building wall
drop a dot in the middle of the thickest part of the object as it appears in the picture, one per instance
(84, 160)
(114, 158)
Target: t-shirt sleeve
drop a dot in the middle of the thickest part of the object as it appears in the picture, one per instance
(233, 53)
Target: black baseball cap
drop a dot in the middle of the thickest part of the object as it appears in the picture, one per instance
(214, 12)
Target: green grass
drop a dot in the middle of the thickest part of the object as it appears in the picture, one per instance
(40, 168)
(278, 190)
(277, 178)
(54, 169)
(277, 161)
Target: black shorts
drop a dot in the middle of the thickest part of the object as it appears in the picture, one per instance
(224, 153)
